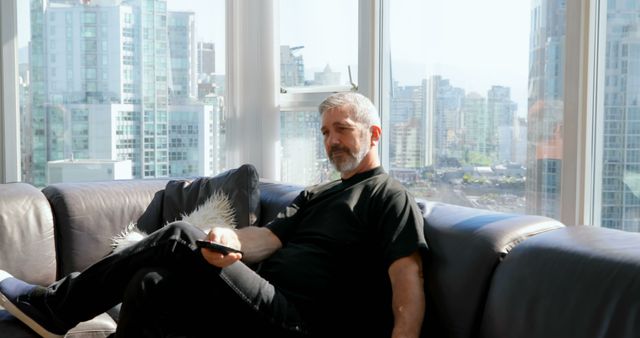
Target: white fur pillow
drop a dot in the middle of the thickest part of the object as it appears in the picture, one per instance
(215, 211)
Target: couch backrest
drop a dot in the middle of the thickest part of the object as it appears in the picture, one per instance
(88, 215)
(274, 197)
(466, 244)
(27, 246)
(579, 281)
(465, 247)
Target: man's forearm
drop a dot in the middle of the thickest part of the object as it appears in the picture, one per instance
(257, 243)
(408, 296)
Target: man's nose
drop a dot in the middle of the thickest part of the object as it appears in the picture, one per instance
(332, 139)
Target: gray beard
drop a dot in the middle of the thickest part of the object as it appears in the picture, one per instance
(352, 162)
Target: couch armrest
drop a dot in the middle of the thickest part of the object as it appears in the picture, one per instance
(88, 214)
(465, 247)
(580, 281)
(27, 248)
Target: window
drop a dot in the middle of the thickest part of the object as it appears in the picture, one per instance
(620, 195)
(131, 72)
(316, 57)
(476, 114)
(479, 108)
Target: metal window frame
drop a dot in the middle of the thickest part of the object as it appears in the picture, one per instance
(9, 107)
(581, 180)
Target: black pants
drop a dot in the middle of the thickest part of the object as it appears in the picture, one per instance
(167, 289)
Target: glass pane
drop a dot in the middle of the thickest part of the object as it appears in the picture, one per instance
(304, 160)
(476, 102)
(621, 132)
(313, 51)
(121, 89)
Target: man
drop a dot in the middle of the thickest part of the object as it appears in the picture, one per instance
(343, 260)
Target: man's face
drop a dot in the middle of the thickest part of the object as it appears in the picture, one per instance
(345, 142)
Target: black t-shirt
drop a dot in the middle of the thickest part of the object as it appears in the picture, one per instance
(339, 240)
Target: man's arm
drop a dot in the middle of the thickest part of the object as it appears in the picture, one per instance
(257, 243)
(408, 301)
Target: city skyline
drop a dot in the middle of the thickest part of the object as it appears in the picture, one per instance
(97, 72)
(412, 62)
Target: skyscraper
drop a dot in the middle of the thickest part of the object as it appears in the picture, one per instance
(480, 138)
(621, 141)
(101, 75)
(545, 107)
(206, 58)
(408, 128)
(503, 110)
(444, 104)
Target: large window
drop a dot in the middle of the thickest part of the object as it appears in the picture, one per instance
(112, 90)
(316, 57)
(476, 102)
(479, 107)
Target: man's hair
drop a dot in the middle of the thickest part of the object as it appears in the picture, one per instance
(362, 110)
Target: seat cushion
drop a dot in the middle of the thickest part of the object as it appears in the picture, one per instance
(98, 327)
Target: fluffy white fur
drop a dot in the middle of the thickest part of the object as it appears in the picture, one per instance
(215, 211)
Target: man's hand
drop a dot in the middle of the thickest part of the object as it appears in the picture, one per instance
(224, 236)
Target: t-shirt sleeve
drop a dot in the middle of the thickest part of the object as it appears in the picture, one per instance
(285, 222)
(402, 227)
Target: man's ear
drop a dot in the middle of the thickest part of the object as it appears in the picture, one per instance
(376, 133)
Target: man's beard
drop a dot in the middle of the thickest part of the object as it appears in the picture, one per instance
(349, 160)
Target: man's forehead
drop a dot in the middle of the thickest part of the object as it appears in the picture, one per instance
(338, 113)
(340, 121)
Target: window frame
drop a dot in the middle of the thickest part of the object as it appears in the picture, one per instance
(581, 176)
(9, 108)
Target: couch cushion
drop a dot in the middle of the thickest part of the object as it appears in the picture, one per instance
(99, 327)
(465, 246)
(27, 248)
(89, 214)
(274, 197)
(579, 281)
(182, 196)
(10, 326)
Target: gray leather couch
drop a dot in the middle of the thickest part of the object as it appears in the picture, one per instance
(487, 274)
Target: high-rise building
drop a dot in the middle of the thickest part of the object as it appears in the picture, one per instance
(621, 141)
(101, 76)
(291, 67)
(503, 110)
(206, 58)
(480, 136)
(408, 130)
(195, 139)
(444, 104)
(326, 77)
(183, 86)
(545, 107)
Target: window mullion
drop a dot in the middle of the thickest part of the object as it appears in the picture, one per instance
(579, 167)
(9, 111)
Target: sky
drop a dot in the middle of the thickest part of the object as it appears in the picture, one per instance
(475, 44)
(464, 41)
